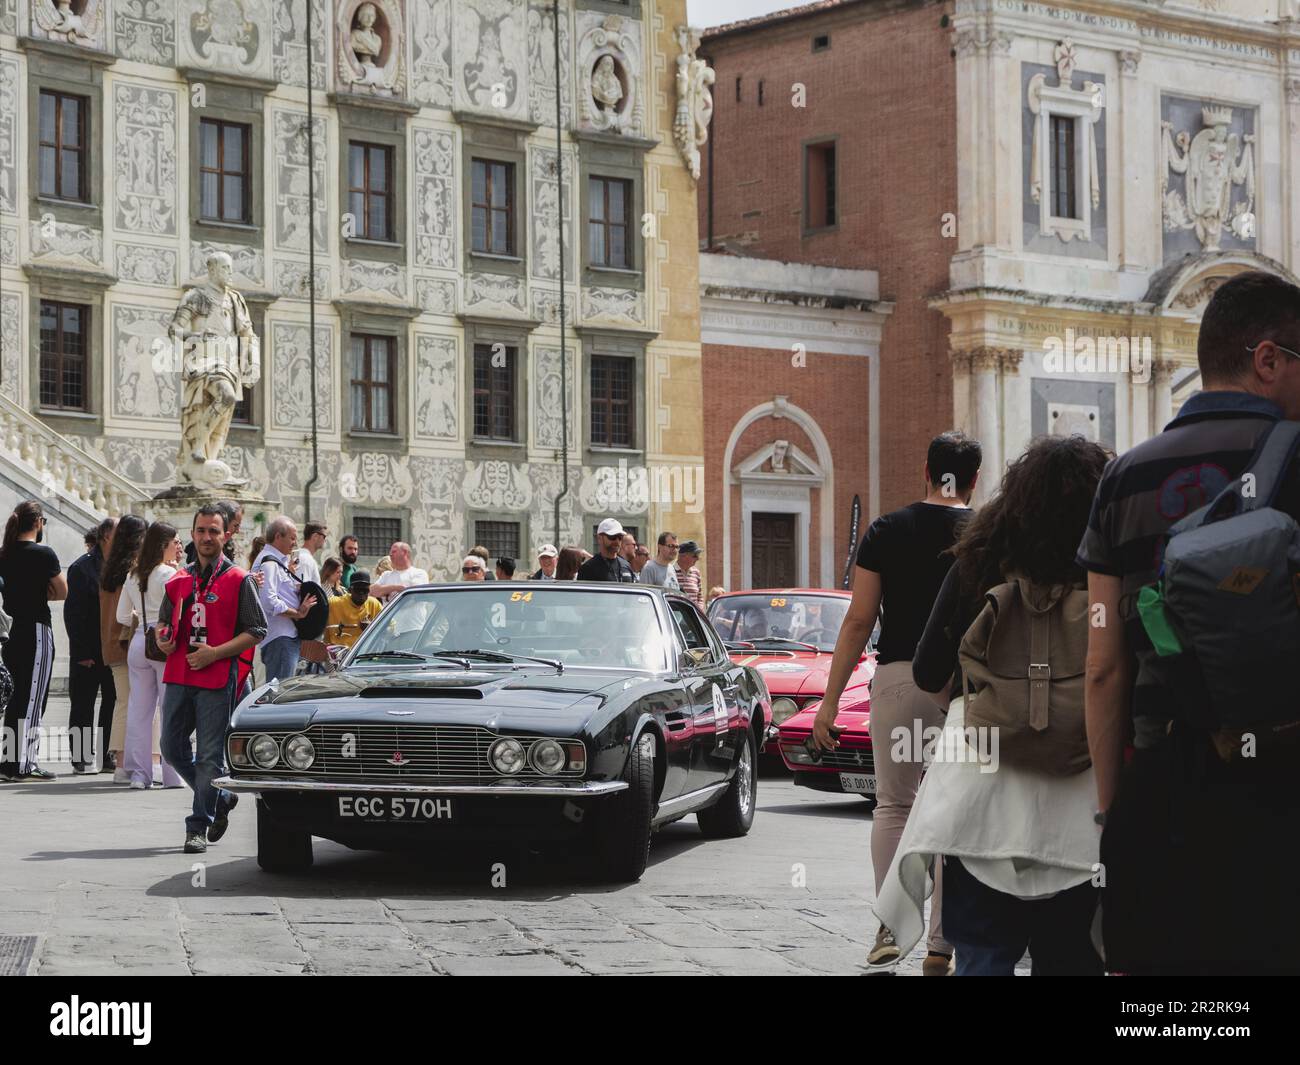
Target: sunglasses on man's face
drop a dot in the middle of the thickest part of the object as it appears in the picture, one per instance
(1293, 354)
(471, 569)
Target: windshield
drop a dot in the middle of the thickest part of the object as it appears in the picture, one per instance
(780, 622)
(569, 626)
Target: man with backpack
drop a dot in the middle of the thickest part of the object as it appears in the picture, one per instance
(1191, 624)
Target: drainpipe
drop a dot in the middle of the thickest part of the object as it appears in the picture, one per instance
(559, 233)
(311, 276)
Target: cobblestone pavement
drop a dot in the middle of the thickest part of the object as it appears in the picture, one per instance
(96, 871)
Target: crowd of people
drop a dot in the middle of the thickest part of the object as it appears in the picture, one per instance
(1128, 787)
(166, 636)
(1096, 618)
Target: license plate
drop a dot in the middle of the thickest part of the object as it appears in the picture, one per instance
(408, 809)
(859, 782)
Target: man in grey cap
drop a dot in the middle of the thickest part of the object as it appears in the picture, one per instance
(547, 556)
(609, 565)
(688, 573)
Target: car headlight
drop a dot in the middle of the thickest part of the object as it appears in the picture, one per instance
(264, 751)
(507, 756)
(239, 750)
(783, 709)
(299, 752)
(547, 757)
(797, 753)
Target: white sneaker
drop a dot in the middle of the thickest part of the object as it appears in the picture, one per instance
(140, 785)
(121, 775)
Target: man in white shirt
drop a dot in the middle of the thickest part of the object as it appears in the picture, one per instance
(313, 539)
(280, 597)
(402, 575)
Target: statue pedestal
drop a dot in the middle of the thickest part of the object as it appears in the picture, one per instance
(177, 505)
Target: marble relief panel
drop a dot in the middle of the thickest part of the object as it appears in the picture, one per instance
(289, 42)
(431, 52)
(437, 388)
(140, 390)
(290, 189)
(11, 346)
(145, 30)
(146, 264)
(436, 295)
(547, 390)
(8, 134)
(541, 65)
(291, 279)
(227, 35)
(434, 185)
(144, 159)
(291, 377)
(545, 214)
(67, 243)
(491, 57)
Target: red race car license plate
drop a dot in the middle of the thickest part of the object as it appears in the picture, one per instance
(411, 809)
(858, 782)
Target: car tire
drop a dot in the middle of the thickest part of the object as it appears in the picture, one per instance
(280, 849)
(623, 827)
(733, 814)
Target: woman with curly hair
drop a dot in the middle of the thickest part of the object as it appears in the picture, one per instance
(1018, 844)
(115, 637)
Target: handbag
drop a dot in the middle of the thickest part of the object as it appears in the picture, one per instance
(151, 649)
(311, 627)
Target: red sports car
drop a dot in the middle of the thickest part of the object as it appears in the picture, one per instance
(788, 635)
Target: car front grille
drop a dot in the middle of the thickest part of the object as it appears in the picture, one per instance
(849, 759)
(408, 751)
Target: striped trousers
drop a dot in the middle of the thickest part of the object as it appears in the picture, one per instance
(29, 655)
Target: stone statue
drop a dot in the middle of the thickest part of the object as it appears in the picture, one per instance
(694, 100)
(366, 44)
(1213, 166)
(61, 23)
(359, 51)
(220, 358)
(606, 89)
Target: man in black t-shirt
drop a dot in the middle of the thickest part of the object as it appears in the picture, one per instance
(609, 565)
(901, 565)
(32, 577)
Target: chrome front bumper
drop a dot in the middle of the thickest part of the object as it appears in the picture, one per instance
(567, 789)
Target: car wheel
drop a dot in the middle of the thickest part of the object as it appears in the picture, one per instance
(623, 827)
(279, 849)
(733, 814)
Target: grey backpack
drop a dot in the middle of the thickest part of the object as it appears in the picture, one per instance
(1224, 616)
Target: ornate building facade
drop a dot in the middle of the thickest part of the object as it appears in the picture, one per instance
(1048, 194)
(138, 136)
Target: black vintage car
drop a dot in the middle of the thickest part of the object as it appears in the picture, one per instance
(518, 711)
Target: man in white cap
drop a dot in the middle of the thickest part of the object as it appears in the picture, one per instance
(609, 564)
(546, 559)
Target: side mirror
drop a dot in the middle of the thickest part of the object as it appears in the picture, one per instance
(686, 662)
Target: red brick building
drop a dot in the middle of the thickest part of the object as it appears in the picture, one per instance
(827, 148)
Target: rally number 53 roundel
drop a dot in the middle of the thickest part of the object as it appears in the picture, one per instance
(719, 714)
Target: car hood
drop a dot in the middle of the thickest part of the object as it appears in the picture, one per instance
(500, 699)
(802, 674)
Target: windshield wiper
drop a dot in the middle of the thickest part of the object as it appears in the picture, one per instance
(391, 654)
(506, 656)
(783, 639)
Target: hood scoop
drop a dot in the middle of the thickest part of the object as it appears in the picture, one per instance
(420, 691)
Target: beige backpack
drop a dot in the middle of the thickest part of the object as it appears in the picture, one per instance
(1023, 660)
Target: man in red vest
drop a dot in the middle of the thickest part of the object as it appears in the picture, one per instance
(209, 622)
